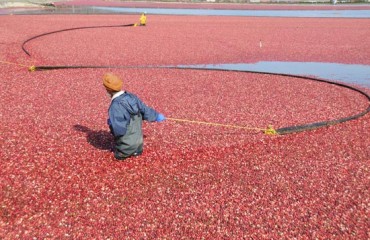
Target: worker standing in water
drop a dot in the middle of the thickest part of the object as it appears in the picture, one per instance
(126, 114)
(143, 19)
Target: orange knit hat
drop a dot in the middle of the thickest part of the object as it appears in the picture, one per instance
(112, 82)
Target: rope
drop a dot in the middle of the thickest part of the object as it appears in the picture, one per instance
(269, 130)
(220, 124)
(11, 63)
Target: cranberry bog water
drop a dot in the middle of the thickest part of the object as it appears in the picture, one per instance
(60, 180)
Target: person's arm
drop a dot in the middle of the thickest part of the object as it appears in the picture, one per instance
(148, 113)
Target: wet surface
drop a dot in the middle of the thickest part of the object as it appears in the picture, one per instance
(200, 12)
(347, 73)
(249, 13)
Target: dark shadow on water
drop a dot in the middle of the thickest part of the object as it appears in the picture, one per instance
(99, 139)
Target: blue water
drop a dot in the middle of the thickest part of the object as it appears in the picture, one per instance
(200, 12)
(247, 13)
(347, 73)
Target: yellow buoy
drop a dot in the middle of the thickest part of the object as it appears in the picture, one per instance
(270, 130)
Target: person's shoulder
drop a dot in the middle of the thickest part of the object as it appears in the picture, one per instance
(130, 95)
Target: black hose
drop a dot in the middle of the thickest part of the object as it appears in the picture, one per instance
(284, 130)
(281, 131)
(69, 29)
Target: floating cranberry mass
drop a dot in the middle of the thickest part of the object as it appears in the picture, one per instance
(193, 181)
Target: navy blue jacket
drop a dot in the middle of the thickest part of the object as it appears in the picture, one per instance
(125, 106)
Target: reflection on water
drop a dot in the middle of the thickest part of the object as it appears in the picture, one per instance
(200, 12)
(347, 73)
(249, 13)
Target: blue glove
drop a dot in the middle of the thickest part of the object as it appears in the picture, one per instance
(160, 117)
